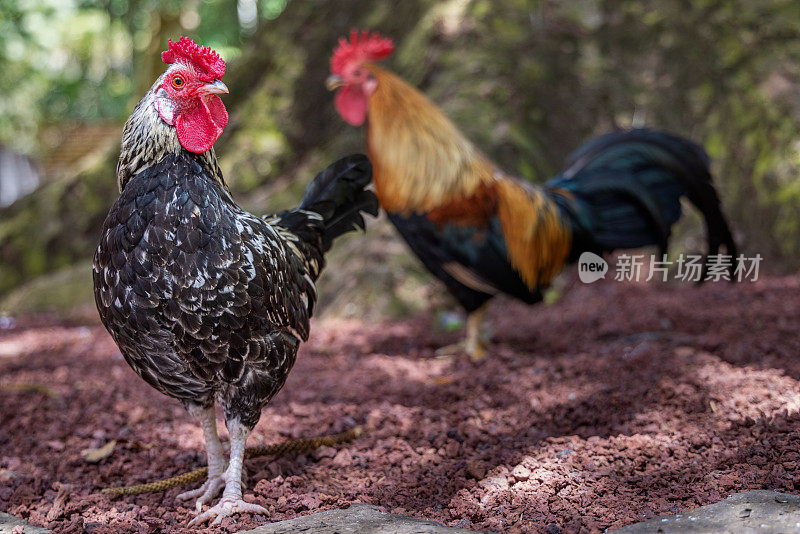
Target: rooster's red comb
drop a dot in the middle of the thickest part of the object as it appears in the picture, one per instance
(361, 47)
(207, 62)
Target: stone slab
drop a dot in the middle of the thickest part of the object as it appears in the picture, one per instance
(752, 512)
(358, 519)
(8, 522)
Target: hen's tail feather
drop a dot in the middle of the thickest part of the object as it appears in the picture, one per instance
(633, 180)
(338, 195)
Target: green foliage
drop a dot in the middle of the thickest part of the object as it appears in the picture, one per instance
(56, 226)
(527, 80)
(58, 61)
(67, 292)
(87, 59)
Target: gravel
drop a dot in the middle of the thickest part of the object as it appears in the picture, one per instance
(617, 404)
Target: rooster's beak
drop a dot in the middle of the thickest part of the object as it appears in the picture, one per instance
(214, 88)
(334, 82)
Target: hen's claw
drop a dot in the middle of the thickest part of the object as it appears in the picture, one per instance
(226, 508)
(210, 489)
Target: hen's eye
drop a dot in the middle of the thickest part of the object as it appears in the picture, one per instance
(177, 82)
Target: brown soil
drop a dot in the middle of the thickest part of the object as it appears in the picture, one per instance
(618, 403)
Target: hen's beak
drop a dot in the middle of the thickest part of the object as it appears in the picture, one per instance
(214, 88)
(334, 82)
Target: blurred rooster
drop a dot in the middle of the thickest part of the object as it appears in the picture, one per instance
(206, 301)
(483, 232)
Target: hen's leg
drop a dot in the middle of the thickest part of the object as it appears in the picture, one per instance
(232, 502)
(216, 458)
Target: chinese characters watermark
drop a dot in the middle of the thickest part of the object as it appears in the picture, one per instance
(686, 268)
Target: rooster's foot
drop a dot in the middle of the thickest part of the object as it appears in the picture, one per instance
(475, 350)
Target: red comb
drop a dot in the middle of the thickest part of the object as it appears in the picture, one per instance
(207, 62)
(361, 47)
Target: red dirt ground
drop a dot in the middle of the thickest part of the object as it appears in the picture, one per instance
(618, 403)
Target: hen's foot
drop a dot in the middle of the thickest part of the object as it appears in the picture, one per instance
(210, 489)
(225, 508)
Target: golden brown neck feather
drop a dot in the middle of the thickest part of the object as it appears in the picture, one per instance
(423, 163)
(420, 159)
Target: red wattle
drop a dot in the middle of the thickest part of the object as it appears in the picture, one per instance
(218, 112)
(351, 103)
(199, 127)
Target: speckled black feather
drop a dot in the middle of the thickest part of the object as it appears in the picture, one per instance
(338, 194)
(205, 300)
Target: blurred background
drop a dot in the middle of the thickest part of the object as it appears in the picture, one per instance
(526, 80)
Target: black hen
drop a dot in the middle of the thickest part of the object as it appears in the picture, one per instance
(207, 302)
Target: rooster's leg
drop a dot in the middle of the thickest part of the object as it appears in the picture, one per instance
(216, 458)
(475, 344)
(232, 502)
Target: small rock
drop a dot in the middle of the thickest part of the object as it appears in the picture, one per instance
(56, 445)
(476, 470)
(312, 502)
(91, 526)
(451, 448)
(430, 457)
(521, 473)
(325, 452)
(343, 458)
(395, 458)
(136, 415)
(495, 482)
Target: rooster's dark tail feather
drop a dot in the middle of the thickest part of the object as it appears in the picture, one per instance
(632, 181)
